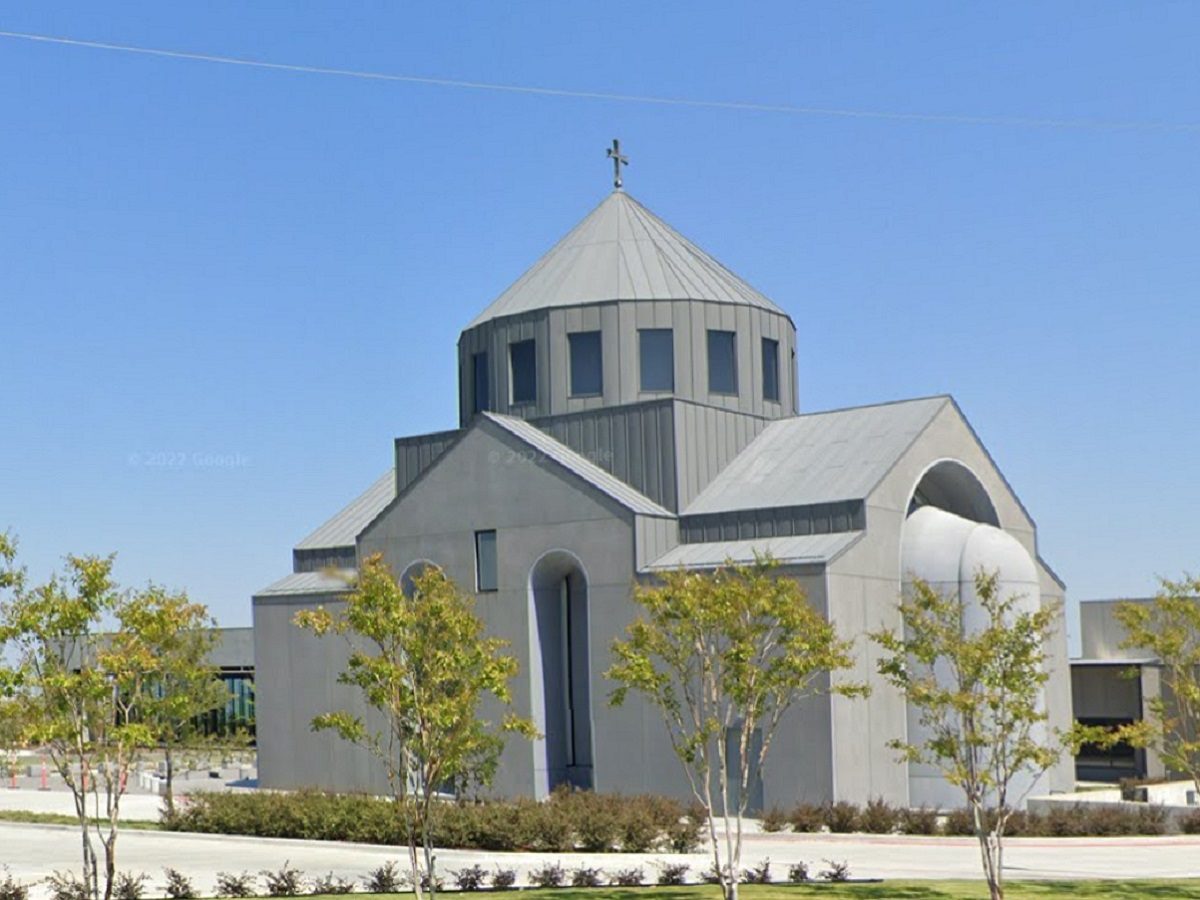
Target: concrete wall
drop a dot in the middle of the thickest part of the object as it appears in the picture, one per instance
(483, 482)
(864, 591)
(618, 322)
(1101, 634)
(296, 681)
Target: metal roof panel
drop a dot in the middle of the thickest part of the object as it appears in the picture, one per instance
(818, 458)
(343, 529)
(795, 550)
(622, 251)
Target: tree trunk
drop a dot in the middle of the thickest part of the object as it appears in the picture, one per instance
(110, 865)
(169, 796)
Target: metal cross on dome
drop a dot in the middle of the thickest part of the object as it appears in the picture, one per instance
(614, 153)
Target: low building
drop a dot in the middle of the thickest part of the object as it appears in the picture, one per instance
(1110, 687)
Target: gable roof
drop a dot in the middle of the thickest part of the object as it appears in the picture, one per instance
(343, 529)
(622, 251)
(818, 458)
(546, 446)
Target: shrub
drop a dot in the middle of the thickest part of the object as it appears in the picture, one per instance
(583, 876)
(836, 871)
(647, 821)
(711, 875)
(230, 884)
(128, 886)
(634, 877)
(547, 827)
(504, 879)
(683, 834)
(774, 820)
(283, 882)
(672, 874)
(1188, 824)
(798, 873)
(806, 817)
(66, 886)
(597, 823)
(921, 820)
(472, 878)
(331, 884)
(760, 874)
(385, 879)
(878, 817)
(958, 823)
(178, 886)
(841, 817)
(10, 888)
(547, 875)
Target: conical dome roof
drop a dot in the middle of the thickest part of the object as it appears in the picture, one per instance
(622, 251)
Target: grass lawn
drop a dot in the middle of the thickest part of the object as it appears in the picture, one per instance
(901, 890)
(36, 818)
(877, 891)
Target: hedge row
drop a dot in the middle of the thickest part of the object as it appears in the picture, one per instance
(878, 817)
(567, 822)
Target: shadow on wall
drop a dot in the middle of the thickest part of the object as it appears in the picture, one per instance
(559, 672)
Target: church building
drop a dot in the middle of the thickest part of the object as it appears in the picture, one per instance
(628, 407)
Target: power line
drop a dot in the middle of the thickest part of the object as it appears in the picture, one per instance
(732, 105)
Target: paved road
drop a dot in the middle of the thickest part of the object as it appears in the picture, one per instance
(36, 851)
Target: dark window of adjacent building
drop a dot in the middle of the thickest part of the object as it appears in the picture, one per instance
(479, 380)
(770, 361)
(587, 369)
(656, 347)
(722, 363)
(485, 561)
(522, 357)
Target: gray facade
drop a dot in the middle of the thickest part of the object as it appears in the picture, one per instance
(1111, 686)
(589, 491)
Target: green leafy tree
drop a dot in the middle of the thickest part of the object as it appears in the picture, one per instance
(726, 654)
(78, 694)
(421, 660)
(1169, 628)
(184, 684)
(979, 696)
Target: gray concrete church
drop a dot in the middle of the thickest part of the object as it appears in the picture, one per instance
(628, 406)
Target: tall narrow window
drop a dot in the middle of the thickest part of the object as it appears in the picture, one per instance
(522, 357)
(722, 363)
(656, 349)
(770, 363)
(587, 369)
(479, 381)
(485, 561)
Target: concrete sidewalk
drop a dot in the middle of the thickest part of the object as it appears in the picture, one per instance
(35, 851)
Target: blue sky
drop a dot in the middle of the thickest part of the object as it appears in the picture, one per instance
(224, 290)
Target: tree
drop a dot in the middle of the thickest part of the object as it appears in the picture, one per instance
(1169, 628)
(979, 697)
(184, 684)
(78, 694)
(421, 660)
(724, 655)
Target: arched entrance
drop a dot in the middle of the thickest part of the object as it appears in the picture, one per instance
(559, 672)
